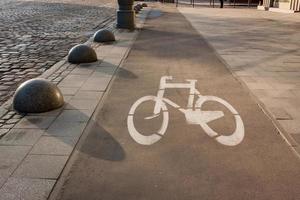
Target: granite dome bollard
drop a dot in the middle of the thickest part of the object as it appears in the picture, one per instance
(36, 96)
(136, 10)
(104, 35)
(82, 53)
(139, 6)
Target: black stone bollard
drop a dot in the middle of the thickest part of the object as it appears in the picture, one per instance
(125, 14)
(82, 53)
(136, 10)
(36, 96)
(104, 35)
(139, 6)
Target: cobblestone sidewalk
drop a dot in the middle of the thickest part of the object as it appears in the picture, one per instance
(34, 35)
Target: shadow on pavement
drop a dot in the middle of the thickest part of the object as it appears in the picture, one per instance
(99, 143)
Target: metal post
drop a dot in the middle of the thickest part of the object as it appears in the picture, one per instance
(125, 14)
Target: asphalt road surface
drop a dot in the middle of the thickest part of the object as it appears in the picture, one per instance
(185, 163)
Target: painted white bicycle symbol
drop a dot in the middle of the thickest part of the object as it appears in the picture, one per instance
(193, 115)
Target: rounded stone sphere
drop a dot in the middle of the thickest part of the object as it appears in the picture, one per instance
(137, 8)
(36, 96)
(140, 6)
(82, 53)
(104, 35)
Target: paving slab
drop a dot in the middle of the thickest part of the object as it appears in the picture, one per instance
(82, 104)
(22, 137)
(66, 129)
(68, 90)
(41, 166)
(54, 146)
(88, 95)
(10, 157)
(38, 122)
(74, 115)
(26, 189)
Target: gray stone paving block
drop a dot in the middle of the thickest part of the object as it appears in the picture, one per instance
(104, 72)
(76, 78)
(26, 189)
(104, 64)
(31, 122)
(67, 99)
(68, 90)
(296, 138)
(66, 129)
(248, 79)
(3, 131)
(118, 51)
(54, 145)
(12, 121)
(7, 126)
(259, 86)
(88, 95)
(72, 81)
(260, 93)
(72, 84)
(2, 181)
(83, 70)
(81, 104)
(2, 111)
(74, 116)
(296, 92)
(21, 137)
(272, 102)
(283, 86)
(280, 93)
(96, 84)
(113, 60)
(41, 166)
(279, 113)
(52, 113)
(10, 158)
(290, 126)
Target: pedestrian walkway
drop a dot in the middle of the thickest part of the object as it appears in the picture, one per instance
(37, 147)
(185, 160)
(262, 51)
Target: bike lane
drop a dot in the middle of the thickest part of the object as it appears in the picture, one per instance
(186, 163)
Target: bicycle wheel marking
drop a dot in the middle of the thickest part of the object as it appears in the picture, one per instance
(154, 137)
(193, 116)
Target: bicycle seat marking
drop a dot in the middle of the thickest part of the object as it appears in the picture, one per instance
(193, 114)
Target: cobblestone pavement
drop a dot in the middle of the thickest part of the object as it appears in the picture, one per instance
(34, 35)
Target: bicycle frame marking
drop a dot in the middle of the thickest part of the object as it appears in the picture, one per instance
(193, 114)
